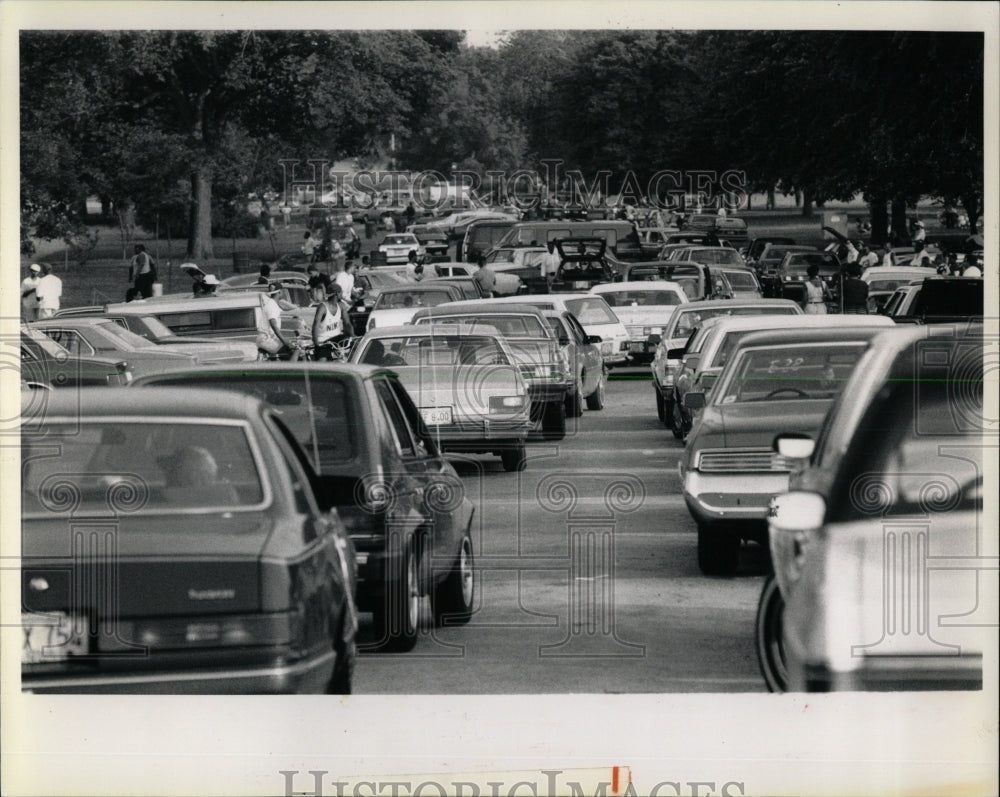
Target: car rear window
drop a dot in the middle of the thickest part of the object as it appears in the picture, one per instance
(808, 371)
(636, 298)
(400, 300)
(134, 466)
(434, 350)
(687, 321)
(715, 257)
(591, 311)
(511, 326)
(742, 279)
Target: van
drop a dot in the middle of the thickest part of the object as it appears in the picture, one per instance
(237, 315)
(622, 237)
(482, 236)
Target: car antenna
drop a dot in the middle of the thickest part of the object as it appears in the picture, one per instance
(312, 423)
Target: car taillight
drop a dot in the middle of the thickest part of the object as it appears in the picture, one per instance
(506, 403)
(209, 631)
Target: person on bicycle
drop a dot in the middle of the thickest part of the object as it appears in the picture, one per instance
(329, 324)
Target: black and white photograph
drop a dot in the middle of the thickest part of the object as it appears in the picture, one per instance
(494, 398)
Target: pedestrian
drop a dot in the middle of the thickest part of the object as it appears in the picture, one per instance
(855, 291)
(485, 278)
(329, 323)
(852, 251)
(264, 277)
(411, 266)
(888, 258)
(919, 233)
(411, 214)
(923, 257)
(550, 263)
(49, 292)
(142, 271)
(269, 335)
(29, 296)
(345, 279)
(286, 214)
(309, 247)
(817, 294)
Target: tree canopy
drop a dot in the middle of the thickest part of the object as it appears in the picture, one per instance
(176, 123)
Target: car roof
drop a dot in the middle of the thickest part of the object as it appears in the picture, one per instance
(639, 285)
(185, 301)
(725, 304)
(72, 321)
(479, 306)
(781, 337)
(429, 330)
(156, 402)
(765, 321)
(420, 287)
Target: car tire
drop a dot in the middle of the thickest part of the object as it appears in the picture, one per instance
(454, 598)
(676, 422)
(668, 413)
(397, 610)
(554, 421)
(718, 551)
(514, 459)
(660, 408)
(574, 402)
(768, 637)
(595, 401)
(343, 668)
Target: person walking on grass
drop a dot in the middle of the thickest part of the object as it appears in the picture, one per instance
(142, 271)
(49, 292)
(29, 296)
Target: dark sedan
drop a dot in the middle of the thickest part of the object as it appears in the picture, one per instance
(178, 544)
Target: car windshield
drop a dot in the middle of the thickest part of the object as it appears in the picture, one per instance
(401, 300)
(799, 264)
(510, 325)
(396, 240)
(142, 466)
(129, 339)
(804, 371)
(715, 257)
(637, 298)
(744, 280)
(888, 284)
(439, 349)
(153, 327)
(591, 310)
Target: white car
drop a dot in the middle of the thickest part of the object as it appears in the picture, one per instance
(644, 308)
(397, 305)
(397, 247)
(594, 316)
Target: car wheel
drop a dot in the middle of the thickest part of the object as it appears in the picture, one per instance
(767, 637)
(668, 413)
(677, 422)
(454, 597)
(397, 611)
(659, 404)
(514, 459)
(554, 421)
(595, 401)
(718, 551)
(574, 402)
(343, 668)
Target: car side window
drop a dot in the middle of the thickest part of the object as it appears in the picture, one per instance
(292, 454)
(395, 419)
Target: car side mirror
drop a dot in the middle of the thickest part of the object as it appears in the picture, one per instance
(797, 512)
(794, 446)
(676, 354)
(564, 341)
(592, 339)
(694, 400)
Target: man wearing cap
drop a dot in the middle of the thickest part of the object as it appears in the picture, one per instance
(49, 292)
(29, 298)
(269, 336)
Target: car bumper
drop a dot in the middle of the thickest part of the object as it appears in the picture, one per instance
(891, 673)
(743, 496)
(483, 435)
(540, 392)
(282, 677)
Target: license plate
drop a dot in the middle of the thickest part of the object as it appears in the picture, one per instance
(50, 637)
(435, 416)
(640, 347)
(581, 285)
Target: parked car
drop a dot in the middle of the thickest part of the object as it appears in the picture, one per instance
(687, 238)
(45, 362)
(756, 245)
(884, 280)
(683, 321)
(482, 236)
(583, 352)
(207, 350)
(594, 316)
(775, 381)
(396, 247)
(768, 262)
(465, 381)
(708, 255)
(743, 282)
(396, 306)
(709, 351)
(103, 338)
(377, 464)
(227, 572)
(940, 300)
(877, 546)
(434, 242)
(700, 282)
(533, 346)
(583, 264)
(792, 272)
(371, 282)
(644, 308)
(621, 237)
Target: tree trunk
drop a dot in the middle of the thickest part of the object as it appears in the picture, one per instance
(900, 233)
(807, 203)
(880, 221)
(971, 204)
(798, 198)
(200, 227)
(771, 203)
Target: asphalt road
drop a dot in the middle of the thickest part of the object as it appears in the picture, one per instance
(588, 579)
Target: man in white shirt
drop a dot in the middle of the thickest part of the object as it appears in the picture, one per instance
(550, 263)
(345, 279)
(29, 297)
(49, 292)
(269, 337)
(852, 252)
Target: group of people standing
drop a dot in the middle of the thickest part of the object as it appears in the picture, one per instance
(41, 293)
